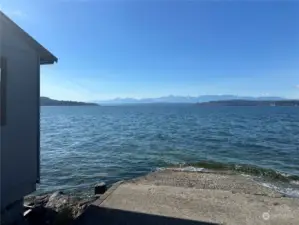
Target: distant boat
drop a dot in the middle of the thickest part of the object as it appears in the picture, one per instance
(272, 104)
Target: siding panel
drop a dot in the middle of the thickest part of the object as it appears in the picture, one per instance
(19, 137)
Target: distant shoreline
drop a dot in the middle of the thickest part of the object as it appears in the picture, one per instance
(44, 101)
(293, 103)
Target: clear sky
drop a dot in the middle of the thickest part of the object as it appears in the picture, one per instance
(130, 48)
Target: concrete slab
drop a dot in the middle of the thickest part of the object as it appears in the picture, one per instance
(206, 205)
(212, 199)
(228, 181)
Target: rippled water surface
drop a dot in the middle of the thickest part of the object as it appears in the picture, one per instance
(81, 146)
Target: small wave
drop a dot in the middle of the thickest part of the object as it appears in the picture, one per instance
(160, 168)
(291, 192)
(243, 169)
(288, 191)
(190, 169)
(183, 169)
(295, 182)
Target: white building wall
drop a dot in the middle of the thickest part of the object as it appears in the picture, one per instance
(20, 135)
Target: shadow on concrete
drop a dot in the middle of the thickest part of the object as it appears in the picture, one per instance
(100, 215)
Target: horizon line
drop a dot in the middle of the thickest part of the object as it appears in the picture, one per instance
(179, 96)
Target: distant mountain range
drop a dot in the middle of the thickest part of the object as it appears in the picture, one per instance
(251, 103)
(45, 101)
(186, 99)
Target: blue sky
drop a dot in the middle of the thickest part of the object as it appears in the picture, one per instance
(119, 48)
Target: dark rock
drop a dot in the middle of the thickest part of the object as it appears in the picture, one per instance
(64, 217)
(83, 202)
(36, 200)
(41, 200)
(29, 200)
(100, 188)
(58, 201)
(29, 203)
(57, 208)
(41, 215)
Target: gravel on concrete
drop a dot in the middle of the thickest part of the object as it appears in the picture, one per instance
(224, 198)
(226, 181)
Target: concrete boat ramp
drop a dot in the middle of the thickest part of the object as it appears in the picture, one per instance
(187, 198)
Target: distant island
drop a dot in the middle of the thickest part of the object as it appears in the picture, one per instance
(238, 102)
(186, 99)
(45, 101)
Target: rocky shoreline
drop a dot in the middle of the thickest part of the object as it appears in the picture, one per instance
(56, 208)
(59, 208)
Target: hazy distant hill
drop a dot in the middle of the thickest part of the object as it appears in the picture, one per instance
(185, 99)
(45, 101)
(251, 103)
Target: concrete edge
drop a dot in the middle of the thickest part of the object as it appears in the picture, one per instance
(103, 197)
